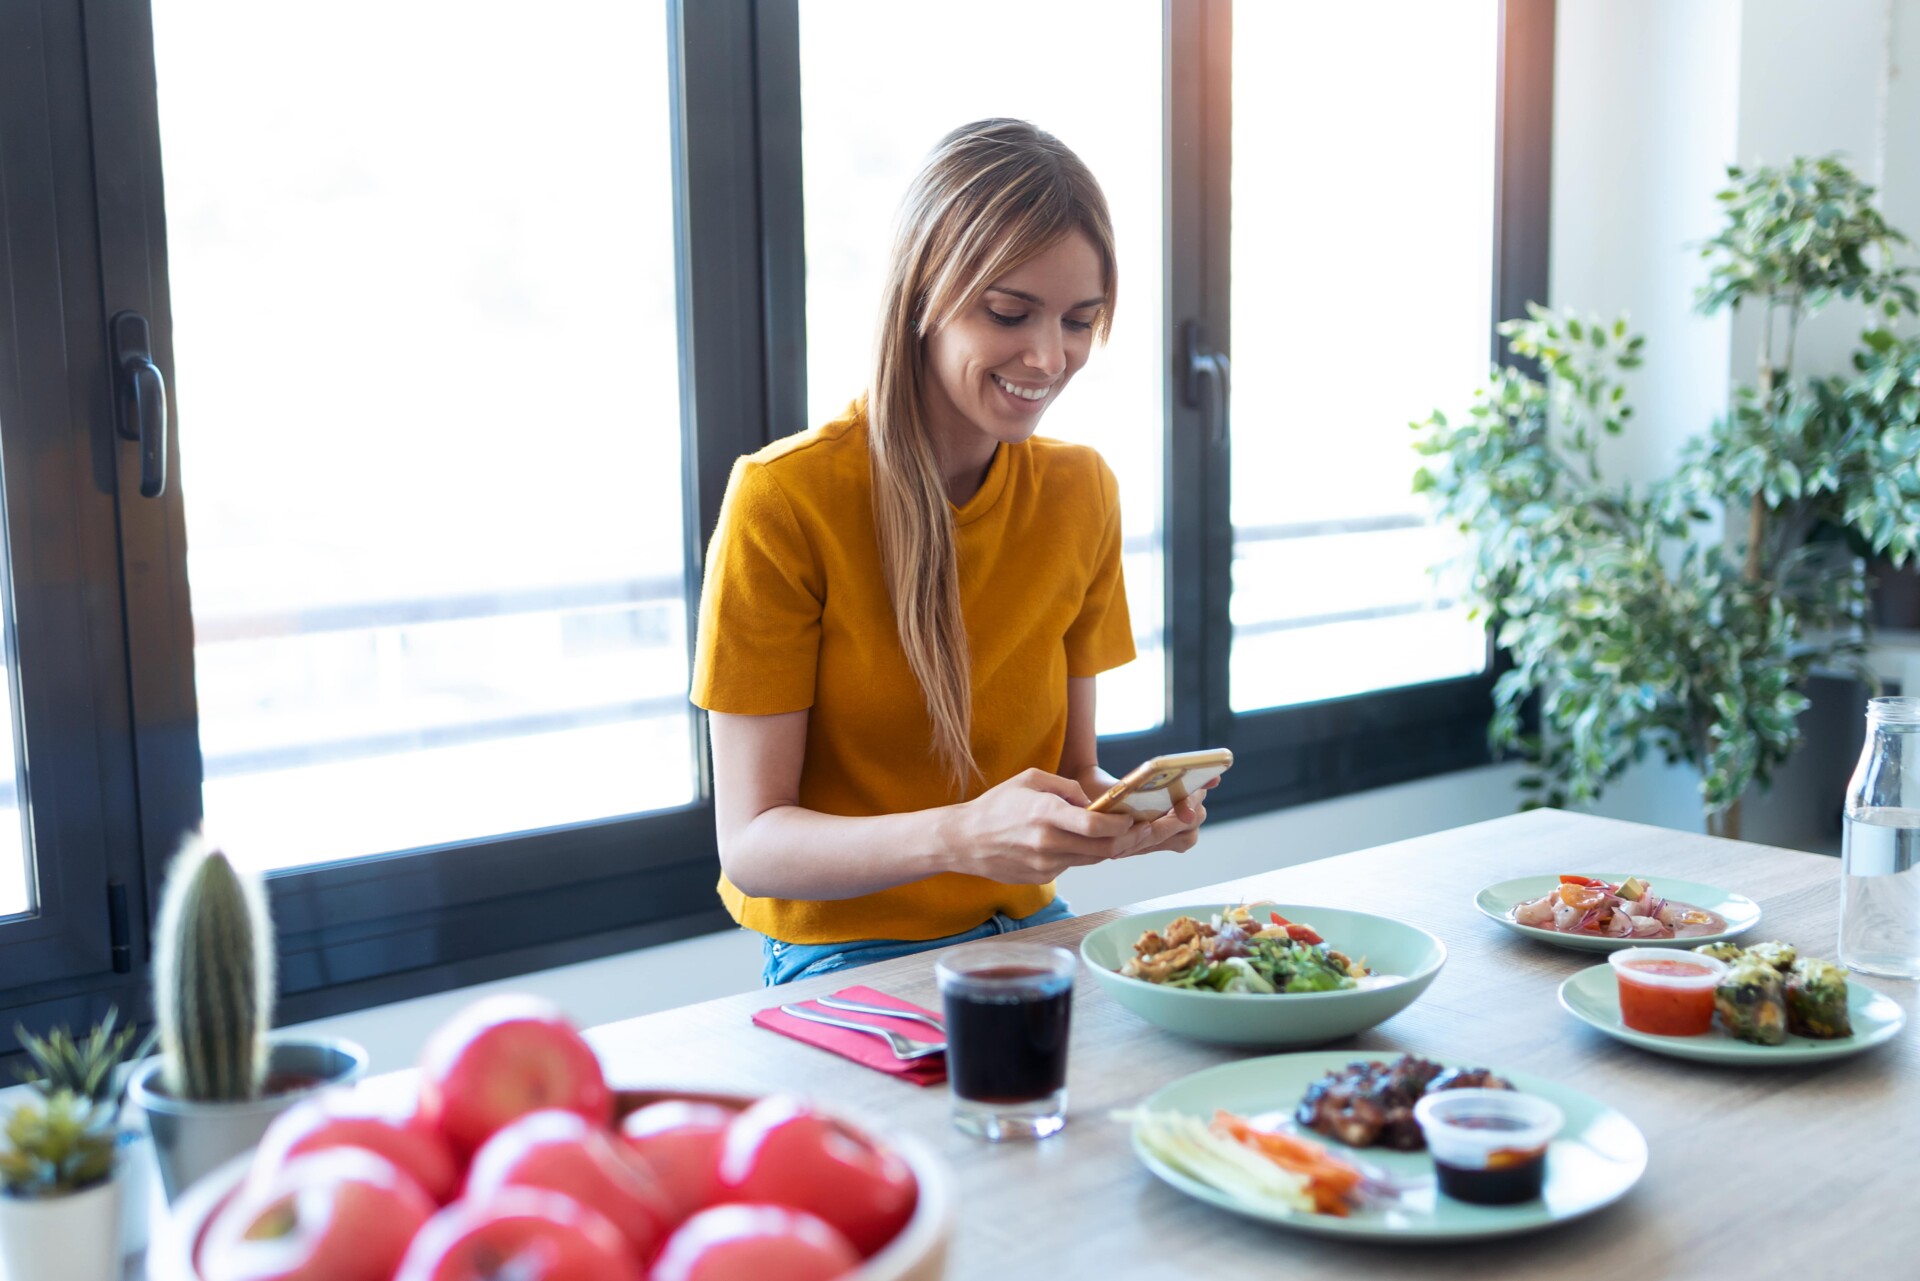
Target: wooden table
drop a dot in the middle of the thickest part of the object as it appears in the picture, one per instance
(1753, 1173)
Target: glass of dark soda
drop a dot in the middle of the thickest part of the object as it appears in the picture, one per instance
(1007, 1010)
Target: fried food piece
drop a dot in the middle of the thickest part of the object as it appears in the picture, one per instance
(1817, 1000)
(1169, 963)
(1780, 956)
(1751, 1003)
(1722, 951)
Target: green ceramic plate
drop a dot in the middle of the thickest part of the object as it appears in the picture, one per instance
(1593, 997)
(1741, 912)
(1598, 1156)
(1388, 947)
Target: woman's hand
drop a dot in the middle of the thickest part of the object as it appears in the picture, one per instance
(1177, 829)
(1036, 825)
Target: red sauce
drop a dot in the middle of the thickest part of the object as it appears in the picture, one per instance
(1665, 1011)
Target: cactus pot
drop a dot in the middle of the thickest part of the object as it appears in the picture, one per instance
(75, 1237)
(190, 1138)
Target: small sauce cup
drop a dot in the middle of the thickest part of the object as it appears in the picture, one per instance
(1489, 1146)
(1665, 992)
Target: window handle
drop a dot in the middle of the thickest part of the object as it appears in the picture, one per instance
(140, 398)
(1206, 382)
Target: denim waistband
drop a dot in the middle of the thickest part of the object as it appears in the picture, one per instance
(785, 962)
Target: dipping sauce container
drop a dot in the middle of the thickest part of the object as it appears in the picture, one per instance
(1489, 1146)
(1666, 992)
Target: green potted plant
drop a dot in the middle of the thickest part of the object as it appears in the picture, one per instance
(59, 1191)
(1639, 626)
(219, 1078)
(61, 1185)
(95, 1068)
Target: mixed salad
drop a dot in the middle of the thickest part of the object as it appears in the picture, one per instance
(1237, 952)
(1586, 905)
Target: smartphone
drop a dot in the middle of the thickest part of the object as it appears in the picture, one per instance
(1156, 786)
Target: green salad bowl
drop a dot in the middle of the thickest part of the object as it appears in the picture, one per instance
(1405, 955)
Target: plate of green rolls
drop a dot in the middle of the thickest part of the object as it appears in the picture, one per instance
(1771, 1006)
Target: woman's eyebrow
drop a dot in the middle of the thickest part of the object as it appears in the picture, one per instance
(1041, 302)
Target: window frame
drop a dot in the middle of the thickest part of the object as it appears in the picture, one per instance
(485, 909)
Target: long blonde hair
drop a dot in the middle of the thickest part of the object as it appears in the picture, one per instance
(993, 195)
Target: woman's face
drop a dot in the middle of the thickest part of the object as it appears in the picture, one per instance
(998, 365)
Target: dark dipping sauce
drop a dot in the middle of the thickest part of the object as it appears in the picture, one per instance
(1510, 1175)
(1008, 1044)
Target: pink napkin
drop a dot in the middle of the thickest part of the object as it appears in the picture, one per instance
(870, 1051)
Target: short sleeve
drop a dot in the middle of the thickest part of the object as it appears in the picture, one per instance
(759, 641)
(1101, 636)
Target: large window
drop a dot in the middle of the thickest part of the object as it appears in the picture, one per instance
(438, 580)
(465, 311)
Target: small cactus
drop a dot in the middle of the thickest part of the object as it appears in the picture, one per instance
(213, 978)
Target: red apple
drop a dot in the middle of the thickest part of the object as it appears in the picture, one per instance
(681, 1140)
(501, 1058)
(781, 1152)
(344, 1214)
(754, 1243)
(563, 1152)
(523, 1234)
(362, 1119)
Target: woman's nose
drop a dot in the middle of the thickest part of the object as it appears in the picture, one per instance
(1048, 355)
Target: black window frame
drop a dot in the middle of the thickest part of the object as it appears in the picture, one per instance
(79, 132)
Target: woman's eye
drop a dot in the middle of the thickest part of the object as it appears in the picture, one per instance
(1078, 326)
(999, 319)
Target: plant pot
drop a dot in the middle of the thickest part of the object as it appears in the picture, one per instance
(191, 1138)
(75, 1237)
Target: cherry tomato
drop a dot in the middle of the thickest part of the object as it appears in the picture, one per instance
(1304, 934)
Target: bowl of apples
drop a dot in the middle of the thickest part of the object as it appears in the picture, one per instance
(511, 1157)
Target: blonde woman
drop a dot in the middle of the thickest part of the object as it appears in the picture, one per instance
(905, 609)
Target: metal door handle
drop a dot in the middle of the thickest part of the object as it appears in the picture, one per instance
(1206, 371)
(140, 398)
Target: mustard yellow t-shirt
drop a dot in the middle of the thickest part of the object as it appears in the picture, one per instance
(795, 615)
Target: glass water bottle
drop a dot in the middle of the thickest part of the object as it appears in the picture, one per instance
(1880, 855)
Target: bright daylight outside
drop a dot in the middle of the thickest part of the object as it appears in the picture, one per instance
(1362, 248)
(426, 369)
(858, 162)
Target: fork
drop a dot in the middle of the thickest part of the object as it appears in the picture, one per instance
(855, 1007)
(903, 1047)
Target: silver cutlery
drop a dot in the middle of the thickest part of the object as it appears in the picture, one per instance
(855, 1007)
(902, 1047)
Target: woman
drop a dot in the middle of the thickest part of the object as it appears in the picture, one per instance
(905, 610)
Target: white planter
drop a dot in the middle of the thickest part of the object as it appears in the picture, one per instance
(63, 1238)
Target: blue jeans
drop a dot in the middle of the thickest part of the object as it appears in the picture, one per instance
(786, 962)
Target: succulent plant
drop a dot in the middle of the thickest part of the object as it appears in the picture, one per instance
(213, 978)
(55, 1145)
(88, 1068)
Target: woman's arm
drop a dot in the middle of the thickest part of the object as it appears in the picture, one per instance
(1027, 830)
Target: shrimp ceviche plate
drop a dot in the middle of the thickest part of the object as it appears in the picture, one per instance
(1600, 911)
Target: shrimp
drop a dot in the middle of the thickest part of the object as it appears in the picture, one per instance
(1537, 912)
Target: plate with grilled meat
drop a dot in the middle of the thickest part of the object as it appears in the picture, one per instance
(1361, 1113)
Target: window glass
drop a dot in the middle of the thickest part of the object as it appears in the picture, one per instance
(876, 95)
(423, 297)
(1363, 151)
(16, 883)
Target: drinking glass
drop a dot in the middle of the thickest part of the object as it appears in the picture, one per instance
(1007, 1006)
